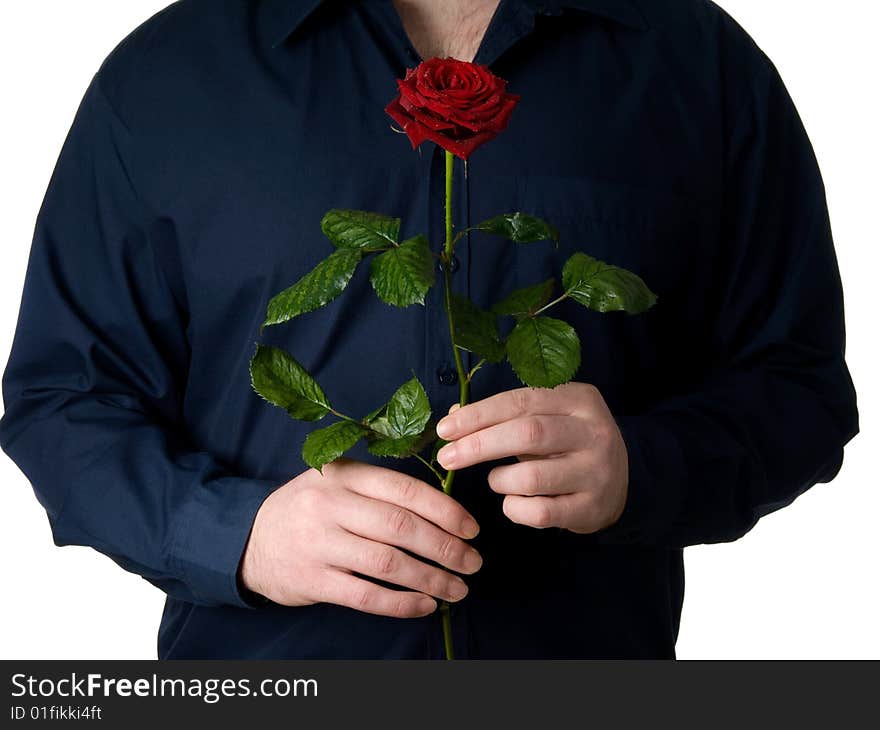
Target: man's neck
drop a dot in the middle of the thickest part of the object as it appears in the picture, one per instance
(446, 28)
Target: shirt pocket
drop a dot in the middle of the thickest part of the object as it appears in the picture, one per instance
(662, 236)
(650, 231)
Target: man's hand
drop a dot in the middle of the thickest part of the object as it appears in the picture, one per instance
(573, 470)
(310, 535)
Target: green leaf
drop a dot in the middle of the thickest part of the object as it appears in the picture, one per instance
(520, 228)
(527, 301)
(476, 330)
(283, 382)
(403, 275)
(405, 446)
(406, 414)
(395, 448)
(321, 285)
(360, 229)
(328, 444)
(605, 288)
(544, 352)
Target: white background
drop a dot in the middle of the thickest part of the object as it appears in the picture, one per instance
(804, 583)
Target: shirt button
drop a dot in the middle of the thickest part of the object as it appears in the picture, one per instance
(454, 265)
(447, 376)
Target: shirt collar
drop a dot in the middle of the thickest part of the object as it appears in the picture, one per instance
(279, 18)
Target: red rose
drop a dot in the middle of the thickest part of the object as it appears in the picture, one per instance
(458, 105)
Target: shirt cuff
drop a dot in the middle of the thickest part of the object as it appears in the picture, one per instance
(213, 530)
(657, 479)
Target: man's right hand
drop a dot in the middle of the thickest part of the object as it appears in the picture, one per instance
(312, 534)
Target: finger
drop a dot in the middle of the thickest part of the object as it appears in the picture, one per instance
(349, 590)
(543, 512)
(454, 407)
(369, 558)
(503, 407)
(415, 495)
(538, 477)
(393, 525)
(524, 435)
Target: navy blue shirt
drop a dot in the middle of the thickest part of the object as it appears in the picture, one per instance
(653, 133)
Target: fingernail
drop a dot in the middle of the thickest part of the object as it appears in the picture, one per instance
(446, 455)
(427, 605)
(444, 427)
(469, 528)
(457, 590)
(472, 561)
(454, 407)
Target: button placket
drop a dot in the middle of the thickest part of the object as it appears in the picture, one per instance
(447, 375)
(511, 22)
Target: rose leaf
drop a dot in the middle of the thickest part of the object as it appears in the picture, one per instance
(403, 275)
(476, 330)
(405, 415)
(320, 286)
(543, 352)
(328, 444)
(360, 229)
(402, 447)
(520, 228)
(605, 288)
(283, 382)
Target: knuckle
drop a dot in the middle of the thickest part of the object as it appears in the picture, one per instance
(591, 503)
(602, 434)
(448, 549)
(602, 473)
(535, 480)
(533, 430)
(402, 608)
(312, 500)
(385, 561)
(400, 522)
(474, 445)
(404, 488)
(543, 515)
(521, 398)
(436, 585)
(468, 420)
(362, 598)
(449, 513)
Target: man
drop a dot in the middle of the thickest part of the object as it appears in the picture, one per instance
(654, 135)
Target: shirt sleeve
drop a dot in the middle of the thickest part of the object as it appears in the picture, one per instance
(776, 407)
(93, 386)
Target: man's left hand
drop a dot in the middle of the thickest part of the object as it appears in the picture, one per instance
(573, 464)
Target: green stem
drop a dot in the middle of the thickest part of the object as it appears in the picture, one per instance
(447, 277)
(474, 369)
(431, 467)
(459, 366)
(447, 630)
(550, 304)
(344, 417)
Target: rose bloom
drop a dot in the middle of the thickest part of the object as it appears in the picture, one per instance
(458, 105)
